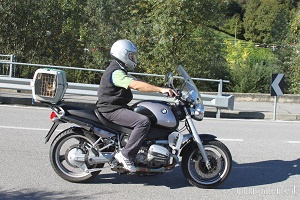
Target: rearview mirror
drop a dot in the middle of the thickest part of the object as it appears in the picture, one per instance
(169, 80)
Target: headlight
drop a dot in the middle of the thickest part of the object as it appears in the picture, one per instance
(197, 111)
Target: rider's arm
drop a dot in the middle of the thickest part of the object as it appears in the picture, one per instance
(146, 87)
(121, 79)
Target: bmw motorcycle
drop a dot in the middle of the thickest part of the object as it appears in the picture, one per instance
(80, 152)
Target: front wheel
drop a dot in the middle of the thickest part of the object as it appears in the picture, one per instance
(194, 167)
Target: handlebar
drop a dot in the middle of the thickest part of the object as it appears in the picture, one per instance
(166, 94)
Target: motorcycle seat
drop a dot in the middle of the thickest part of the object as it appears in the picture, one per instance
(80, 112)
(112, 125)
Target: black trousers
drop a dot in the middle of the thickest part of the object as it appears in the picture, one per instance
(139, 123)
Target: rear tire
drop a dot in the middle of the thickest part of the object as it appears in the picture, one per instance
(194, 168)
(68, 141)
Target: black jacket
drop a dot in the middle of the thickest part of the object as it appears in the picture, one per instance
(111, 97)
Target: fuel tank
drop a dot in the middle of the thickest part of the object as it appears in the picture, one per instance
(159, 112)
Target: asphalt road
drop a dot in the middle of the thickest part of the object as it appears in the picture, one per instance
(265, 154)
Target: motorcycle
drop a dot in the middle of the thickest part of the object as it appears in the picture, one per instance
(81, 152)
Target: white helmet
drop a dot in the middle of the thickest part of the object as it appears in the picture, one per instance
(126, 52)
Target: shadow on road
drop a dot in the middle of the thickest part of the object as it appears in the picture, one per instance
(39, 195)
(172, 180)
(261, 173)
(242, 175)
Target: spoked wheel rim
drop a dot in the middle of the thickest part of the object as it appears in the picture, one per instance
(198, 170)
(71, 145)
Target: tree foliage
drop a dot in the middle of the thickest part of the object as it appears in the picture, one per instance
(250, 68)
(265, 21)
(293, 59)
(80, 33)
(231, 22)
(167, 33)
(42, 31)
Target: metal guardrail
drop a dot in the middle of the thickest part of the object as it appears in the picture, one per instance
(8, 61)
(218, 101)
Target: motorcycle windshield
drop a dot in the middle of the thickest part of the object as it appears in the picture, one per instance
(189, 85)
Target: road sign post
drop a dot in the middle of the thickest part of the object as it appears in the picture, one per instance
(277, 89)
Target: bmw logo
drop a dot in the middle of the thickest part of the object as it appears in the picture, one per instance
(164, 111)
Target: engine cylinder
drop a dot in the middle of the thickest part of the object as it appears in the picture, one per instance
(157, 153)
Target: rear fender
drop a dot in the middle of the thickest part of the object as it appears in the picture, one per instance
(188, 141)
(51, 131)
(74, 129)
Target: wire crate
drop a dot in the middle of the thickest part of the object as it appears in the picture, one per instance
(49, 85)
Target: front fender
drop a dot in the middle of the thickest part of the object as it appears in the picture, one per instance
(188, 142)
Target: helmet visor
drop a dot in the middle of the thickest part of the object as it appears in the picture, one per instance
(133, 57)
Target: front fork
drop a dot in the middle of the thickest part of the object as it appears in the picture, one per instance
(198, 140)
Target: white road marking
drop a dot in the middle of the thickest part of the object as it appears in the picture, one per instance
(293, 142)
(43, 129)
(25, 107)
(24, 128)
(47, 129)
(27, 128)
(231, 140)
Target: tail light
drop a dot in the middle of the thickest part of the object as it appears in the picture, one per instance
(53, 116)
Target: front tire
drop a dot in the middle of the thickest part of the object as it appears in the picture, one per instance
(67, 142)
(194, 168)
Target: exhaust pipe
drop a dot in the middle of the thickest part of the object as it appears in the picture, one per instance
(102, 158)
(168, 168)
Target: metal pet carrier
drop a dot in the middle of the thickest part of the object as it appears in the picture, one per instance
(49, 85)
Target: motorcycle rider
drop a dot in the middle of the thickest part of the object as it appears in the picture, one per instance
(114, 94)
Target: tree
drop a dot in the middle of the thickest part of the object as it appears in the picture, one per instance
(42, 32)
(265, 21)
(250, 67)
(167, 33)
(64, 44)
(173, 32)
(231, 22)
(103, 27)
(293, 57)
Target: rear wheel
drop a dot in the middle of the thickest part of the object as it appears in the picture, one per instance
(68, 145)
(195, 170)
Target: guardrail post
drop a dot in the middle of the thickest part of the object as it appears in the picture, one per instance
(220, 88)
(11, 66)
